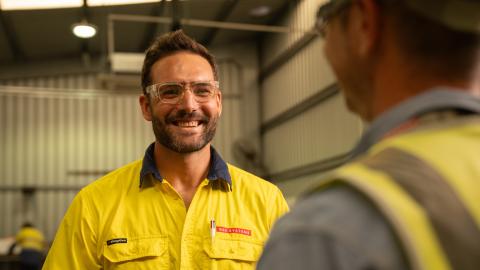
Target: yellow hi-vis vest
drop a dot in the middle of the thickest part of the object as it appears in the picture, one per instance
(426, 183)
(30, 238)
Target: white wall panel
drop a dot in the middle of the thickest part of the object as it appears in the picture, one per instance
(62, 142)
(301, 17)
(72, 82)
(240, 117)
(230, 126)
(59, 135)
(301, 77)
(319, 133)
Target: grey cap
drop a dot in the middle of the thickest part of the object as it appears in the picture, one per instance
(460, 15)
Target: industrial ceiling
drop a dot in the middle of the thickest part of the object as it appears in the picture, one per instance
(30, 36)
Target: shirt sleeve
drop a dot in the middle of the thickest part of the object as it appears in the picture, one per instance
(75, 244)
(278, 207)
(337, 229)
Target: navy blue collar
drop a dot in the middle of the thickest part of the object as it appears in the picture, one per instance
(218, 168)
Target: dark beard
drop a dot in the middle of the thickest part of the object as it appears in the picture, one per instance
(167, 139)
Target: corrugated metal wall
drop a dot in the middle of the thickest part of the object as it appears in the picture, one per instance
(321, 132)
(71, 81)
(58, 135)
(59, 141)
(232, 119)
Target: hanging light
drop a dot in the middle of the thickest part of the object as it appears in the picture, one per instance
(84, 29)
(260, 11)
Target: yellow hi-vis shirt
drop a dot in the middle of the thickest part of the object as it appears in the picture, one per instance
(30, 238)
(116, 224)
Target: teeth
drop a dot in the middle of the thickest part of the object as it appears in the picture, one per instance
(188, 124)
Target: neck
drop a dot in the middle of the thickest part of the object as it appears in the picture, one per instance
(182, 170)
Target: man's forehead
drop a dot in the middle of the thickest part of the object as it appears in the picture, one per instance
(182, 66)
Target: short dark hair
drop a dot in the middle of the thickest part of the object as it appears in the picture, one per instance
(442, 50)
(171, 43)
(27, 224)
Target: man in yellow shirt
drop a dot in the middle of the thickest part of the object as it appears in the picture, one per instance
(32, 244)
(182, 206)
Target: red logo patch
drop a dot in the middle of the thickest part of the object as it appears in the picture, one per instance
(234, 230)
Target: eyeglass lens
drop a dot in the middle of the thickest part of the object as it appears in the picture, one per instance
(173, 92)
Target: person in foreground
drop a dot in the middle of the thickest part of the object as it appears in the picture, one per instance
(182, 206)
(409, 198)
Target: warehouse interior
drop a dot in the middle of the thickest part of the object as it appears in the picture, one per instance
(69, 108)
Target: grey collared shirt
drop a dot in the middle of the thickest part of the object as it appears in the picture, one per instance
(338, 228)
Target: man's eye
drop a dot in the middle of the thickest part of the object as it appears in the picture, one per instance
(203, 90)
(170, 91)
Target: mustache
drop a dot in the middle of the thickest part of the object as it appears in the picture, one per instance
(183, 115)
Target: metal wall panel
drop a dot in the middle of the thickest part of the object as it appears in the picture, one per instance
(241, 126)
(300, 19)
(72, 81)
(231, 121)
(60, 143)
(304, 75)
(321, 132)
(58, 135)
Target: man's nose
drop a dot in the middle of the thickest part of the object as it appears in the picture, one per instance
(188, 102)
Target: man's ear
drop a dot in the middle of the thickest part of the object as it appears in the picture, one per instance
(145, 106)
(368, 27)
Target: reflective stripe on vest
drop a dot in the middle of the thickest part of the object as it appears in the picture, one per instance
(453, 225)
(420, 244)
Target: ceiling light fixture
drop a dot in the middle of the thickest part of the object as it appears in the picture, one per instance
(260, 11)
(84, 29)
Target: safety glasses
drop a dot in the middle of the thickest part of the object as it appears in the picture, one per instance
(327, 11)
(173, 92)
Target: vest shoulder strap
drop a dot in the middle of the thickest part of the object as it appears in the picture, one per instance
(454, 226)
(432, 222)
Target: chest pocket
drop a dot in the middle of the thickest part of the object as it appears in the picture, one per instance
(224, 253)
(139, 253)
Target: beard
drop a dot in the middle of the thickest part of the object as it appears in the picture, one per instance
(174, 142)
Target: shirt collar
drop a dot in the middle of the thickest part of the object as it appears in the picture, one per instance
(434, 100)
(218, 169)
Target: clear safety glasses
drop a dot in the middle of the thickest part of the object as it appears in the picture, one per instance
(173, 92)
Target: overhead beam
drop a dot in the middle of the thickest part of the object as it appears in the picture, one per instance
(194, 22)
(308, 103)
(288, 54)
(85, 49)
(225, 11)
(176, 15)
(11, 39)
(214, 24)
(152, 27)
(320, 166)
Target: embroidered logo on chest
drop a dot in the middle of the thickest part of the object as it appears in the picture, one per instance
(116, 241)
(234, 230)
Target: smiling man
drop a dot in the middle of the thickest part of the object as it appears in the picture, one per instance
(182, 206)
